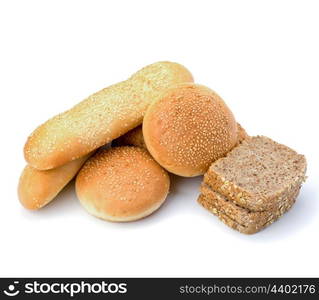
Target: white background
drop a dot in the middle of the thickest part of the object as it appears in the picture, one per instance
(262, 57)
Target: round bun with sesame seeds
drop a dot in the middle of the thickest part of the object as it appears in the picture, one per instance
(102, 117)
(188, 128)
(122, 184)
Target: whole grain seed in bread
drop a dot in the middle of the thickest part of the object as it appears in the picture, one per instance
(243, 219)
(257, 173)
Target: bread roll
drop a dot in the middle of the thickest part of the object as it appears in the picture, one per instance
(101, 117)
(122, 184)
(37, 188)
(188, 128)
(132, 138)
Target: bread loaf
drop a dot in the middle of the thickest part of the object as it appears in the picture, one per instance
(101, 117)
(39, 187)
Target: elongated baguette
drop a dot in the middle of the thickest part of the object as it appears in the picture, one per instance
(37, 188)
(101, 117)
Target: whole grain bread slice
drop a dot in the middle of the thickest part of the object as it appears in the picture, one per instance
(242, 219)
(257, 174)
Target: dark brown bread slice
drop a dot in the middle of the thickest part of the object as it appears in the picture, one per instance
(239, 218)
(257, 173)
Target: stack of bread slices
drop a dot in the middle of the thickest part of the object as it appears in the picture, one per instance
(254, 184)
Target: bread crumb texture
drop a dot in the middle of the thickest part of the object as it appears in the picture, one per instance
(257, 173)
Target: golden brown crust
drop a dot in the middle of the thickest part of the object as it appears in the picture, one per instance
(188, 128)
(37, 188)
(242, 134)
(122, 184)
(132, 138)
(101, 117)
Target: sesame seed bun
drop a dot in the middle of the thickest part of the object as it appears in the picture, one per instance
(37, 188)
(100, 118)
(122, 184)
(188, 128)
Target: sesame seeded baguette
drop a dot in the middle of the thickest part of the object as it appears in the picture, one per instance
(39, 187)
(101, 117)
(257, 173)
(242, 219)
